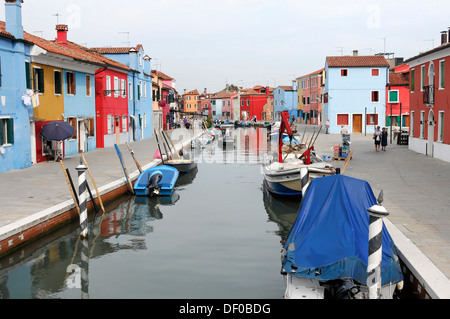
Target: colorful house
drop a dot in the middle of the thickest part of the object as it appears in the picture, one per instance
(355, 92)
(111, 103)
(397, 95)
(191, 102)
(429, 101)
(164, 100)
(310, 100)
(285, 99)
(253, 101)
(65, 75)
(15, 113)
(140, 105)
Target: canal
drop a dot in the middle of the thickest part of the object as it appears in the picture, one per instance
(218, 236)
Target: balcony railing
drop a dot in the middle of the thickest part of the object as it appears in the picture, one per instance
(428, 94)
(115, 92)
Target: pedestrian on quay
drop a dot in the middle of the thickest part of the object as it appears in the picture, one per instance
(327, 126)
(344, 130)
(384, 139)
(377, 138)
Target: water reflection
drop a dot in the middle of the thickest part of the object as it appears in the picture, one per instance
(281, 211)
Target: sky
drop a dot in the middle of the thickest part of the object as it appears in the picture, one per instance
(206, 44)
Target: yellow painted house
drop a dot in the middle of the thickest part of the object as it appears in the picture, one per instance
(191, 101)
(48, 81)
(299, 98)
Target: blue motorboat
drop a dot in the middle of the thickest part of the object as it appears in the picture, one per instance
(158, 180)
(326, 252)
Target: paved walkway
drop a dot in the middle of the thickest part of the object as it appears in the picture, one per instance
(416, 193)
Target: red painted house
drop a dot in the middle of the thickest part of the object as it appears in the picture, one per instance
(429, 101)
(111, 106)
(253, 102)
(397, 97)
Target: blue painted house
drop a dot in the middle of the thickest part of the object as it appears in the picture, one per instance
(355, 92)
(285, 99)
(140, 107)
(15, 141)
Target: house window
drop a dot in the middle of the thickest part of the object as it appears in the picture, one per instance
(441, 127)
(116, 87)
(130, 91)
(413, 78)
(108, 85)
(393, 96)
(375, 96)
(412, 124)
(73, 122)
(441, 74)
(145, 90)
(58, 82)
(124, 124)
(375, 72)
(344, 72)
(145, 120)
(422, 124)
(110, 124)
(342, 119)
(71, 83)
(90, 125)
(88, 85)
(372, 119)
(422, 77)
(242, 103)
(6, 131)
(123, 88)
(38, 82)
(248, 102)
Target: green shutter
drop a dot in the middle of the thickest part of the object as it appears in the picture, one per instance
(393, 96)
(28, 74)
(10, 129)
(413, 77)
(2, 124)
(139, 92)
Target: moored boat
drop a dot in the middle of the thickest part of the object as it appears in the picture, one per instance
(158, 180)
(290, 177)
(182, 165)
(326, 252)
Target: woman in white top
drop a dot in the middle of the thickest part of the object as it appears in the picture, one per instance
(377, 138)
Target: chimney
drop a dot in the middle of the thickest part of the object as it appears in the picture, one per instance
(443, 37)
(13, 18)
(267, 90)
(61, 32)
(355, 52)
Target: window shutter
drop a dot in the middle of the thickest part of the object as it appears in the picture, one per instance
(40, 74)
(10, 131)
(28, 74)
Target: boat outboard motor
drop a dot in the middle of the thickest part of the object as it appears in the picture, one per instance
(153, 180)
(344, 289)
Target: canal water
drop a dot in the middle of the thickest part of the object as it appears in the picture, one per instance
(218, 236)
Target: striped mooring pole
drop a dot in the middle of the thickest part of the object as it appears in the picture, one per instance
(376, 214)
(82, 193)
(304, 178)
(84, 269)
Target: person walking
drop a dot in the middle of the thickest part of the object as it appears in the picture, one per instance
(377, 138)
(327, 126)
(344, 130)
(384, 139)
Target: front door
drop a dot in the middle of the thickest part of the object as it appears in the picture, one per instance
(117, 129)
(357, 123)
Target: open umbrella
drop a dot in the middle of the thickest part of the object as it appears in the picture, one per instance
(57, 131)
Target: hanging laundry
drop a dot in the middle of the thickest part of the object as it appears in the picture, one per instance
(26, 98)
(37, 98)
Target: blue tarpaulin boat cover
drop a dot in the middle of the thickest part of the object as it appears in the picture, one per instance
(329, 239)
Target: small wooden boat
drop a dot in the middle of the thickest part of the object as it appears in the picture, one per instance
(158, 180)
(182, 165)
